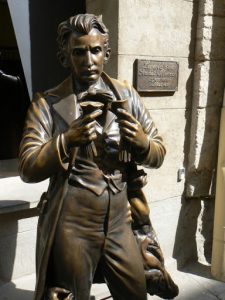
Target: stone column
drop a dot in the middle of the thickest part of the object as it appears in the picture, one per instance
(208, 87)
(218, 255)
(209, 78)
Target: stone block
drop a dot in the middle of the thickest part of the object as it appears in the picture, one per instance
(201, 84)
(17, 247)
(13, 188)
(25, 254)
(156, 30)
(19, 289)
(210, 38)
(212, 7)
(203, 152)
(27, 224)
(219, 222)
(209, 78)
(206, 7)
(218, 38)
(203, 50)
(205, 139)
(205, 22)
(194, 232)
(11, 224)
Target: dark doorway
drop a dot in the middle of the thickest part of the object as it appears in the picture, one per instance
(44, 19)
(13, 90)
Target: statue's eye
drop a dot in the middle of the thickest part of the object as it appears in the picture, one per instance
(78, 52)
(96, 50)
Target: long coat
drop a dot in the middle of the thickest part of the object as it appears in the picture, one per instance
(40, 155)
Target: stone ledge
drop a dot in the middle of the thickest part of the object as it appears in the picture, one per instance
(15, 195)
(10, 206)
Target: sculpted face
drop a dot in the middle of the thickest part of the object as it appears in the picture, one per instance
(86, 56)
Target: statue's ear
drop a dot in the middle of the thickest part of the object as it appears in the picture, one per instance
(64, 62)
(107, 55)
(65, 59)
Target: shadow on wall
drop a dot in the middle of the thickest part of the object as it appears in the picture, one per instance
(8, 236)
(10, 292)
(186, 228)
(195, 226)
(186, 248)
(44, 20)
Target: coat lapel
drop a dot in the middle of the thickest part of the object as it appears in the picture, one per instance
(110, 117)
(66, 103)
(67, 108)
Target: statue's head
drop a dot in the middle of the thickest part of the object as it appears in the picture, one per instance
(83, 43)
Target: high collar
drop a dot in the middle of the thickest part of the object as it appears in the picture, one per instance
(98, 85)
(66, 100)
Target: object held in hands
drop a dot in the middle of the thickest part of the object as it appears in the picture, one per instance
(119, 104)
(96, 95)
(124, 152)
(89, 107)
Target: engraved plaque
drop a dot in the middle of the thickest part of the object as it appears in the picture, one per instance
(156, 76)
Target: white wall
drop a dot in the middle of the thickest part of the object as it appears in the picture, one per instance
(19, 10)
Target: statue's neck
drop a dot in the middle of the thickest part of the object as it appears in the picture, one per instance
(80, 87)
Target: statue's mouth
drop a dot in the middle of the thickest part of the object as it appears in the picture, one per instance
(90, 71)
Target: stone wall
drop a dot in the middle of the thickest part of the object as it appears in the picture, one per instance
(17, 247)
(209, 79)
(18, 223)
(197, 213)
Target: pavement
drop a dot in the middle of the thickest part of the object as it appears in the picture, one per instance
(195, 283)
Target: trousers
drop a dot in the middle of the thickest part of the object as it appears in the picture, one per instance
(95, 230)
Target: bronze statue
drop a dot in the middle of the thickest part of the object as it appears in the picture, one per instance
(88, 135)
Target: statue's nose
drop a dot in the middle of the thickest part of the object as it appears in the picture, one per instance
(89, 60)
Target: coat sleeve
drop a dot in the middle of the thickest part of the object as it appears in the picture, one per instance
(154, 157)
(40, 153)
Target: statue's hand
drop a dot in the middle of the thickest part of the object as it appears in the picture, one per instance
(82, 130)
(132, 131)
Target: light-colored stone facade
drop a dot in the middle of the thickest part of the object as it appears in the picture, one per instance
(18, 223)
(209, 78)
(218, 253)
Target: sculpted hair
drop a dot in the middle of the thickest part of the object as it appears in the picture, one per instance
(80, 24)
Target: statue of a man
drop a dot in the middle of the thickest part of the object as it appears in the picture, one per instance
(88, 149)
